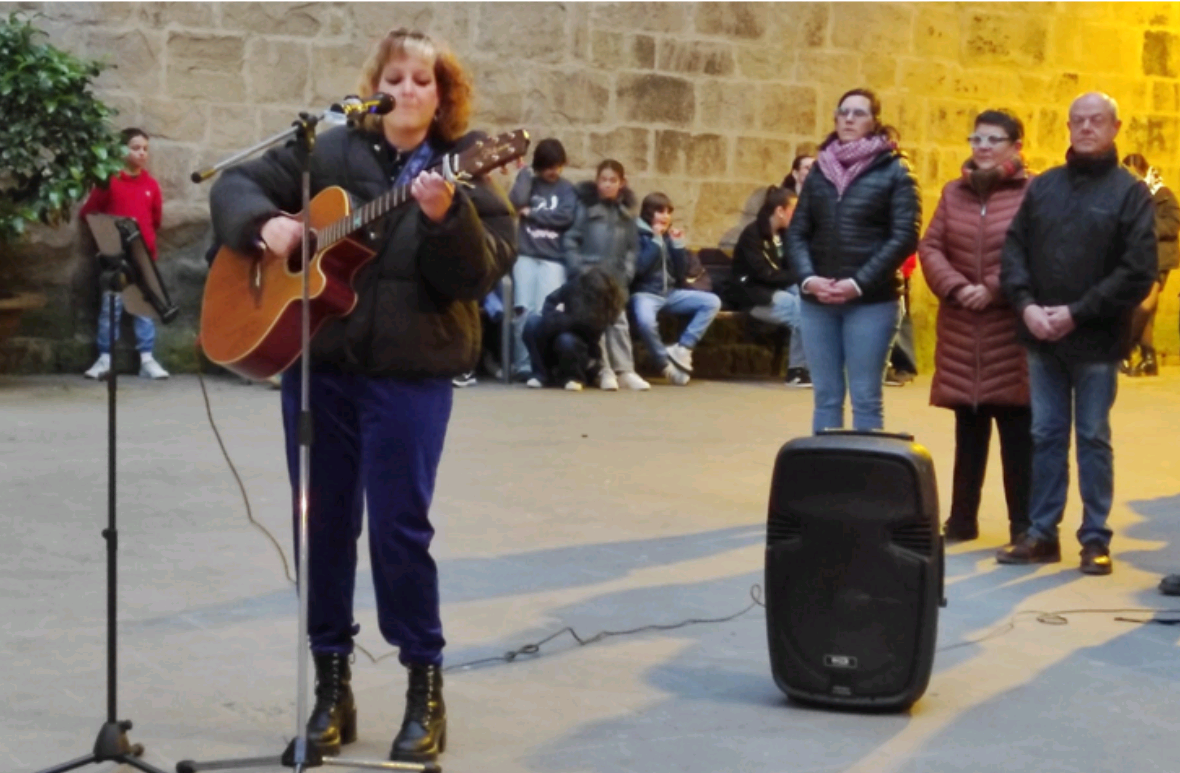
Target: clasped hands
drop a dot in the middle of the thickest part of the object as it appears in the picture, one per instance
(1049, 323)
(828, 290)
(973, 297)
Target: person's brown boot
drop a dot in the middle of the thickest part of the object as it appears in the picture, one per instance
(1030, 550)
(1096, 559)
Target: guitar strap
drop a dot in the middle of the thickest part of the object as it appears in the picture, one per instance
(415, 164)
(388, 160)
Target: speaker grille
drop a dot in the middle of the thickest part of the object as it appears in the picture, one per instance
(783, 527)
(917, 537)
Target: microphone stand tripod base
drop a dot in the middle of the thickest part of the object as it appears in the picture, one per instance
(112, 744)
(314, 759)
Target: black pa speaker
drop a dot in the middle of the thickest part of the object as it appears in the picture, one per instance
(854, 570)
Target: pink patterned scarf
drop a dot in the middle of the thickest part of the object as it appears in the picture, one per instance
(842, 162)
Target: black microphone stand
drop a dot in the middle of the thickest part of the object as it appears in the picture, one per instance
(112, 743)
(300, 754)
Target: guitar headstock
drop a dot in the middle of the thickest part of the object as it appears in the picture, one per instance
(488, 154)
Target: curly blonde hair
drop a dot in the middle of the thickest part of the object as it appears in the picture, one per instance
(455, 93)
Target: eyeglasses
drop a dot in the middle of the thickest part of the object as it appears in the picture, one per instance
(976, 140)
(853, 112)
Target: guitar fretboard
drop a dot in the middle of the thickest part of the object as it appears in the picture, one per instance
(363, 215)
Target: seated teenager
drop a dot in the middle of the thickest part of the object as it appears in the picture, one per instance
(763, 283)
(658, 284)
(564, 339)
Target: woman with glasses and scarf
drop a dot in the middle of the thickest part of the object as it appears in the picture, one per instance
(980, 368)
(856, 222)
(381, 377)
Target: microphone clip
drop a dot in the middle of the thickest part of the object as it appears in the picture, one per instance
(354, 108)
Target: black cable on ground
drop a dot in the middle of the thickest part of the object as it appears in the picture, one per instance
(534, 649)
(234, 470)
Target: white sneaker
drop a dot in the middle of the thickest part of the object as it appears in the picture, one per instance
(681, 357)
(149, 368)
(632, 380)
(534, 383)
(573, 386)
(100, 368)
(607, 381)
(675, 375)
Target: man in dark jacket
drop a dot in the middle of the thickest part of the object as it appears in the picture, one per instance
(1079, 257)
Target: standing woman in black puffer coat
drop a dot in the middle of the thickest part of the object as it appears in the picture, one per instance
(856, 222)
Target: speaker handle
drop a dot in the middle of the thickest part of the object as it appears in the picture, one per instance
(868, 433)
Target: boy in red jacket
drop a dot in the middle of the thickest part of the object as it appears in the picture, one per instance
(131, 193)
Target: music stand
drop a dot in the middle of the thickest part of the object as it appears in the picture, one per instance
(126, 266)
(121, 248)
(300, 752)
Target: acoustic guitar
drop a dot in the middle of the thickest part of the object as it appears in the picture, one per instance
(251, 311)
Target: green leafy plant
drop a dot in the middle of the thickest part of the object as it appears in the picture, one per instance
(55, 139)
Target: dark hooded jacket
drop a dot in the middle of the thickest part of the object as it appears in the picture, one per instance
(571, 308)
(603, 234)
(417, 312)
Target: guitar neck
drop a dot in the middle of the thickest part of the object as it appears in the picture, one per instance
(363, 216)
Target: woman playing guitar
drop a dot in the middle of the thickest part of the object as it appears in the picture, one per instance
(381, 376)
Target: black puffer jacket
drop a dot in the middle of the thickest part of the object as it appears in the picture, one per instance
(758, 270)
(416, 314)
(1084, 237)
(864, 235)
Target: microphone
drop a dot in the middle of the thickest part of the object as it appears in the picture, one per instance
(353, 106)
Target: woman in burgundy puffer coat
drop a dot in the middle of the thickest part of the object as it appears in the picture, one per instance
(980, 370)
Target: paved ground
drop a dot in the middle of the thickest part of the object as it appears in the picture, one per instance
(598, 511)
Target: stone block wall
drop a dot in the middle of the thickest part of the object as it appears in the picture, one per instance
(704, 101)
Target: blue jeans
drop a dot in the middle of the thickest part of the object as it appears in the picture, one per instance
(701, 306)
(852, 338)
(378, 442)
(1087, 390)
(532, 281)
(784, 310)
(145, 328)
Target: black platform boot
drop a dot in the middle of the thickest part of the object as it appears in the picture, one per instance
(424, 730)
(333, 719)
